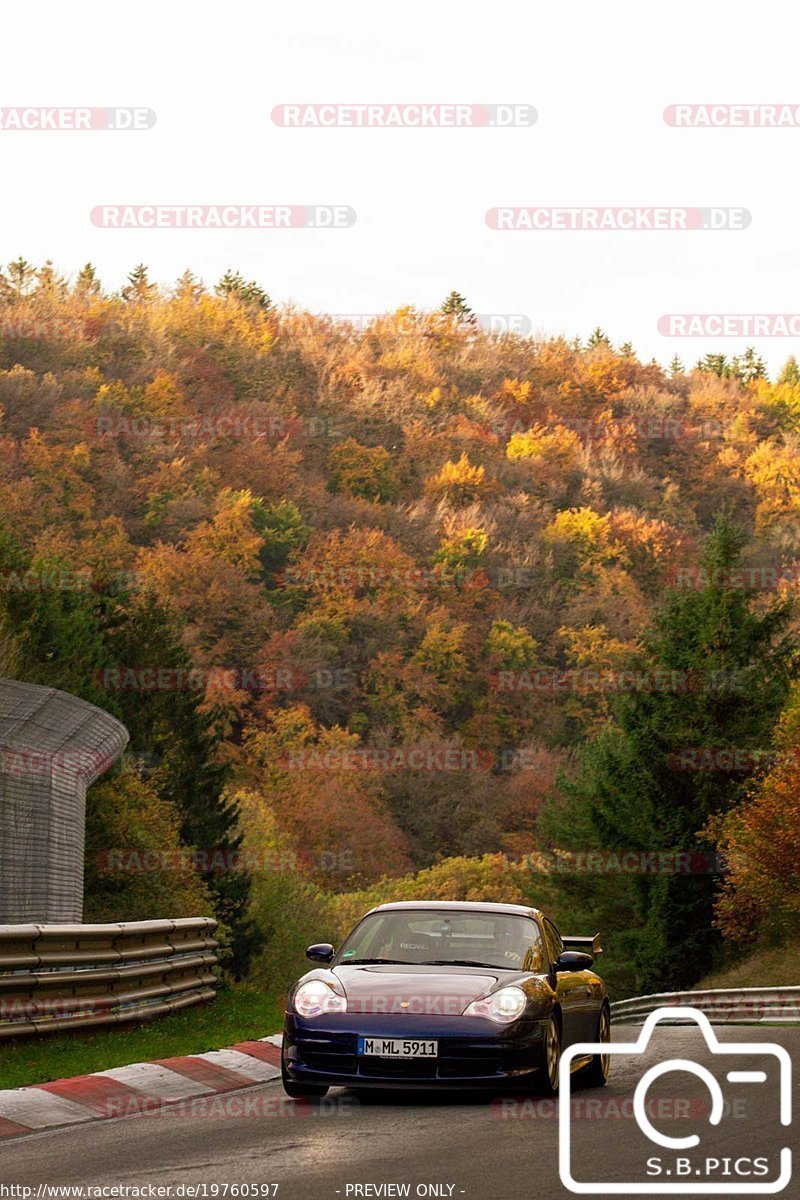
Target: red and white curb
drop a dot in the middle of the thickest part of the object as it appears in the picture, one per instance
(141, 1089)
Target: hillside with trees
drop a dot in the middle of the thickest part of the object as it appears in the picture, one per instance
(407, 606)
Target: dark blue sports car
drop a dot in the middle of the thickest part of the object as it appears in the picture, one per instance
(437, 993)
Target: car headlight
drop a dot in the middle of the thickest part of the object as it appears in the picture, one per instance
(316, 997)
(503, 1006)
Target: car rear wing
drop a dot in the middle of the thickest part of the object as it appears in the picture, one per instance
(585, 945)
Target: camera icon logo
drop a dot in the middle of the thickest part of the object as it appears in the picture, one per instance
(680, 1172)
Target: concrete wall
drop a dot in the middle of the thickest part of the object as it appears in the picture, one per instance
(52, 746)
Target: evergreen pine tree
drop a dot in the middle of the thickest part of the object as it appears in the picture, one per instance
(49, 283)
(188, 286)
(715, 364)
(233, 284)
(725, 663)
(138, 286)
(171, 730)
(87, 283)
(598, 338)
(455, 306)
(17, 280)
(790, 372)
(749, 366)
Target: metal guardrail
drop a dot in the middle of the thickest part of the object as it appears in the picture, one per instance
(723, 1006)
(55, 977)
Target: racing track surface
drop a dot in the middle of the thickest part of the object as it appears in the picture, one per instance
(462, 1142)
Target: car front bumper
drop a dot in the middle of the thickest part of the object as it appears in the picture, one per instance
(473, 1052)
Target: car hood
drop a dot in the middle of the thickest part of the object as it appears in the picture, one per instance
(444, 991)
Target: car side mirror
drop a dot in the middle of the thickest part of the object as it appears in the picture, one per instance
(573, 960)
(323, 952)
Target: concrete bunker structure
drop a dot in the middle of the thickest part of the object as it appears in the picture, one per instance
(52, 747)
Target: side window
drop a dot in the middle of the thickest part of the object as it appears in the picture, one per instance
(552, 938)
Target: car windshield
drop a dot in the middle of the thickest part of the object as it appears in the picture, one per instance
(426, 937)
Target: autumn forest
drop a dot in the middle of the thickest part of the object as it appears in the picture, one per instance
(408, 607)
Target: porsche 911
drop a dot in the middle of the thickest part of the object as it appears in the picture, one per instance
(445, 993)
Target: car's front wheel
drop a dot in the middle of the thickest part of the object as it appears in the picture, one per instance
(596, 1074)
(301, 1091)
(551, 1058)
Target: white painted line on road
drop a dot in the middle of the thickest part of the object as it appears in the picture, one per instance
(39, 1109)
(156, 1081)
(244, 1064)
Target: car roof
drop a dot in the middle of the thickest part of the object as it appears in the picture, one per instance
(477, 906)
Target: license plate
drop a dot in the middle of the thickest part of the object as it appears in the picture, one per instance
(397, 1047)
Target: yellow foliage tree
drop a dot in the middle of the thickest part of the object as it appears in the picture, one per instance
(559, 446)
(774, 471)
(459, 483)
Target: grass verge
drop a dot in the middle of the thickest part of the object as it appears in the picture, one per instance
(238, 1014)
(774, 966)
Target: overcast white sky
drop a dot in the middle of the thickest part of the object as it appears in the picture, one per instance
(600, 77)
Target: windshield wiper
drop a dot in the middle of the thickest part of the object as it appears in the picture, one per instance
(458, 962)
(360, 962)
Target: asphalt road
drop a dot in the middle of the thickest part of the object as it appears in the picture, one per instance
(476, 1147)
